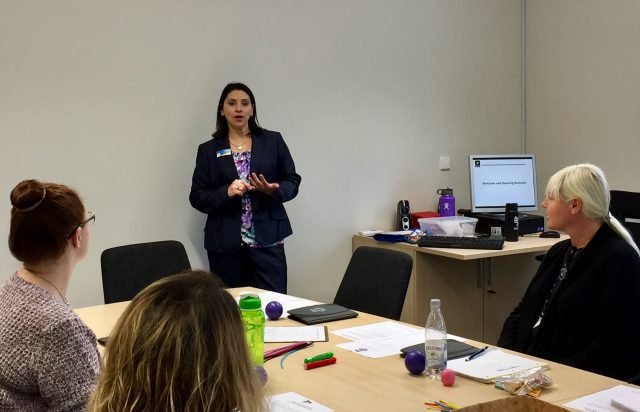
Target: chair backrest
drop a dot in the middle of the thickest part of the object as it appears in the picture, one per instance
(128, 269)
(624, 206)
(376, 282)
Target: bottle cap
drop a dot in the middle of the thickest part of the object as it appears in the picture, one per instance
(250, 300)
(435, 303)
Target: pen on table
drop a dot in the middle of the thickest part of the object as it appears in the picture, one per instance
(317, 364)
(449, 405)
(441, 406)
(476, 354)
(320, 357)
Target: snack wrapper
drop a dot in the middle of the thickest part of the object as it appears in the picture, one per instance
(530, 382)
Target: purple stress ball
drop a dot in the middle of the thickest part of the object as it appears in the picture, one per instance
(414, 361)
(262, 374)
(273, 310)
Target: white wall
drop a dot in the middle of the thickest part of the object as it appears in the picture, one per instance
(113, 98)
(583, 87)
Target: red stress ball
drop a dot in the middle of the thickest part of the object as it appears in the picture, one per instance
(448, 377)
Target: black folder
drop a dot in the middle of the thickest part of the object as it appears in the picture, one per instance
(455, 349)
(321, 313)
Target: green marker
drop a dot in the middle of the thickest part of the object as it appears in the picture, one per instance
(320, 357)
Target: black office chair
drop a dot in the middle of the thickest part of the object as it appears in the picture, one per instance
(376, 282)
(128, 269)
(625, 205)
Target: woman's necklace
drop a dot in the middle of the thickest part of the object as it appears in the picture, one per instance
(567, 262)
(239, 146)
(54, 286)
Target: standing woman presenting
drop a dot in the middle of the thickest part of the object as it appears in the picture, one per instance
(241, 180)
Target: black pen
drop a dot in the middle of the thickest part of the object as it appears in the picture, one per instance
(476, 354)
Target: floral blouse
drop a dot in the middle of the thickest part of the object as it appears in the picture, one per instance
(242, 161)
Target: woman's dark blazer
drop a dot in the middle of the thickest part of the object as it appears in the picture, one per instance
(215, 171)
(593, 322)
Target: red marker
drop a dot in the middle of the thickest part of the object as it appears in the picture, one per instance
(324, 362)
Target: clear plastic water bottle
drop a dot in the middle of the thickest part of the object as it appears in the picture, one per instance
(253, 321)
(435, 341)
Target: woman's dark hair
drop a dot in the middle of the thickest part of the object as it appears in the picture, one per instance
(222, 127)
(42, 217)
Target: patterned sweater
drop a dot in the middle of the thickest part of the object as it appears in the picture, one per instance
(48, 357)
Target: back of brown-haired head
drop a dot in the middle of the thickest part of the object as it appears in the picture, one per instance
(43, 215)
(179, 345)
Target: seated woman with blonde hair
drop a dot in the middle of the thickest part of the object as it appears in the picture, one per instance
(179, 346)
(581, 307)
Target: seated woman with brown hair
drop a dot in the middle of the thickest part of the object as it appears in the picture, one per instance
(179, 346)
(48, 356)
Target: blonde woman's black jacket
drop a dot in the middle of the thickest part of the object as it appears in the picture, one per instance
(593, 322)
(214, 172)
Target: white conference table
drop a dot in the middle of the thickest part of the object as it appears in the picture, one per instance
(357, 383)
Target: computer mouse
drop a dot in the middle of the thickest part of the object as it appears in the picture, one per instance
(550, 233)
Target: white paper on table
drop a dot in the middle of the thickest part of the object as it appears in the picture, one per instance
(491, 364)
(386, 346)
(295, 304)
(293, 402)
(267, 297)
(295, 333)
(388, 329)
(601, 401)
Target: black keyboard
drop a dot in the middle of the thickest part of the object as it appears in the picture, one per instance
(493, 242)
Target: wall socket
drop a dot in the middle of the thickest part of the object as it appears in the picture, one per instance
(445, 163)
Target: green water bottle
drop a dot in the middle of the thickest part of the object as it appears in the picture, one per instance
(253, 321)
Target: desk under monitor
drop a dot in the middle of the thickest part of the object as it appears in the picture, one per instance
(357, 383)
(478, 288)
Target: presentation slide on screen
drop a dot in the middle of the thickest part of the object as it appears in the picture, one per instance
(500, 181)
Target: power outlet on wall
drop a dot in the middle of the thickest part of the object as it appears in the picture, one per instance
(445, 163)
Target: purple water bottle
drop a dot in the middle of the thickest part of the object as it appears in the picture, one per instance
(446, 203)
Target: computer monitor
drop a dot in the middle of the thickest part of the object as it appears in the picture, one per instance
(500, 179)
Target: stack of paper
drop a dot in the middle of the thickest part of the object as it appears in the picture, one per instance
(618, 398)
(380, 339)
(296, 334)
(492, 364)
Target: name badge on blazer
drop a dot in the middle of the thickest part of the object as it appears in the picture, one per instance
(223, 152)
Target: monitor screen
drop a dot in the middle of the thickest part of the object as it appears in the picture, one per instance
(500, 179)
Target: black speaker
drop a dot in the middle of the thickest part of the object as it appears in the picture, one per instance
(404, 221)
(511, 222)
